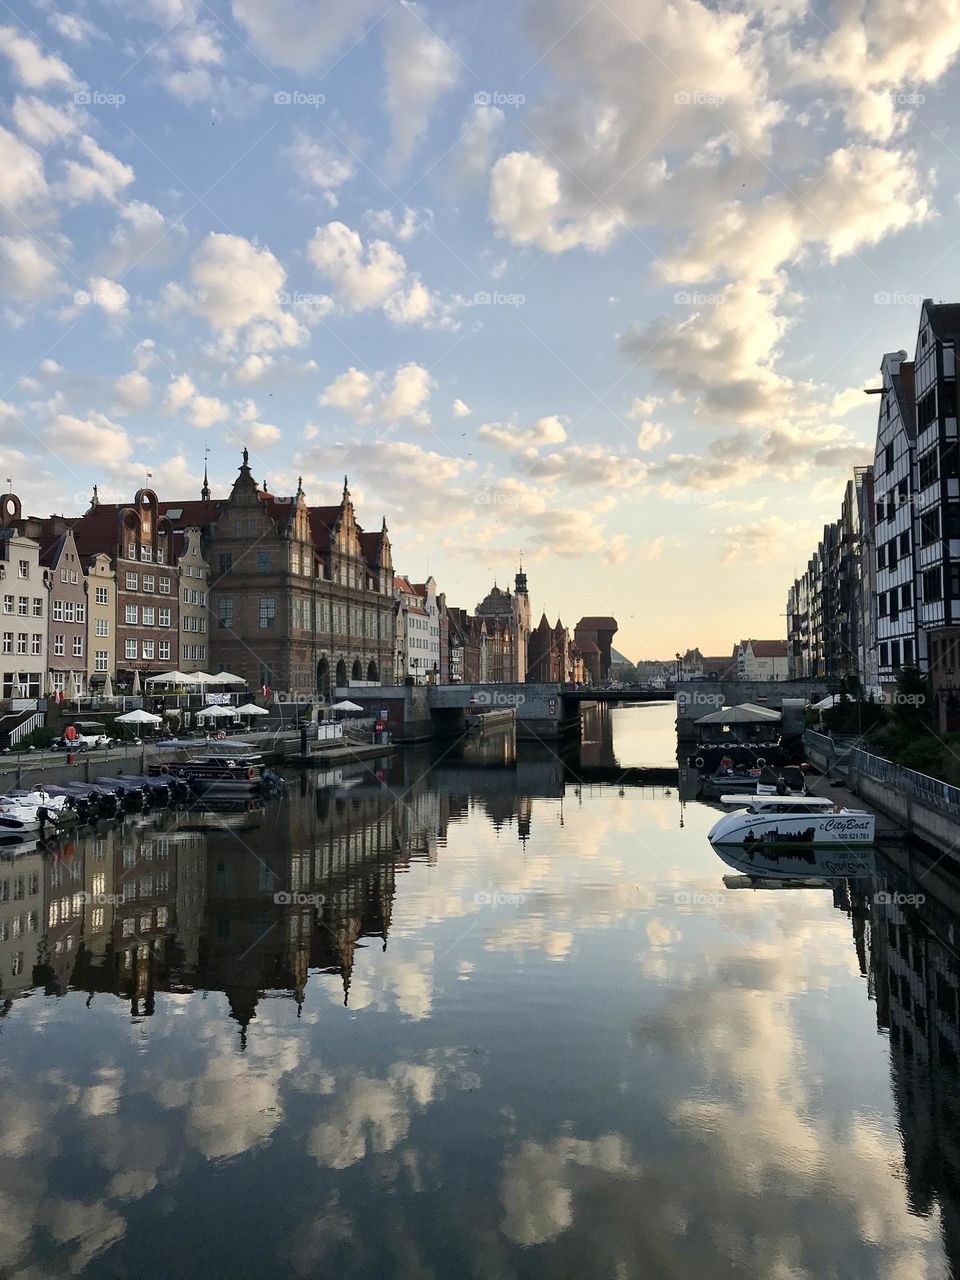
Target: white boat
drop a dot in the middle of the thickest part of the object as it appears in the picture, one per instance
(31, 810)
(761, 822)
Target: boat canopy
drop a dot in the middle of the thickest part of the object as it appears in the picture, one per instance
(775, 802)
(745, 713)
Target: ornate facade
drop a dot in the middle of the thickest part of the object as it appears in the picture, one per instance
(506, 616)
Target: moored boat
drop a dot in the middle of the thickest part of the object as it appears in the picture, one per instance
(223, 776)
(764, 822)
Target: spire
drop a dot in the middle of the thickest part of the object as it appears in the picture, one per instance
(299, 486)
(205, 491)
(95, 500)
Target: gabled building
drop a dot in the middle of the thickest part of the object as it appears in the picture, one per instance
(101, 620)
(594, 639)
(67, 620)
(762, 660)
(507, 621)
(302, 596)
(24, 589)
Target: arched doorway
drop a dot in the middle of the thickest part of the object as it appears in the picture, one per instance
(373, 675)
(357, 672)
(341, 674)
(323, 678)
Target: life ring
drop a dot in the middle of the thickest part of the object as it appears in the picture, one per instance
(761, 761)
(250, 774)
(220, 735)
(699, 762)
(726, 762)
(164, 769)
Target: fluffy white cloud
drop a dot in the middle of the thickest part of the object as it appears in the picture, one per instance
(102, 176)
(142, 238)
(524, 440)
(237, 288)
(26, 271)
(460, 409)
(133, 391)
(372, 276)
(22, 181)
(91, 440)
(526, 205)
(292, 33)
(262, 434)
(43, 123)
(183, 400)
(405, 397)
(74, 27)
(31, 66)
(420, 67)
(320, 166)
(650, 435)
(110, 296)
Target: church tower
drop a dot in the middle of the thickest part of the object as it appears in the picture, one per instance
(521, 613)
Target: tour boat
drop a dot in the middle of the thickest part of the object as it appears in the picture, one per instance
(763, 822)
(218, 776)
(34, 810)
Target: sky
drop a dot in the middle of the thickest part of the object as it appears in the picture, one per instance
(595, 282)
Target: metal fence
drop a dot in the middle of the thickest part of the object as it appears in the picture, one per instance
(841, 753)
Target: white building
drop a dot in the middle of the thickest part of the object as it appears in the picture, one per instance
(23, 600)
(762, 660)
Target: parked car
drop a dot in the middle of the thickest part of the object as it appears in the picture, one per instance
(82, 735)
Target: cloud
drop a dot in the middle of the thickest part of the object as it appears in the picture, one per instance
(589, 465)
(290, 33)
(650, 435)
(405, 397)
(31, 66)
(103, 176)
(183, 400)
(460, 409)
(480, 133)
(403, 225)
(524, 440)
(43, 123)
(73, 27)
(142, 238)
(23, 185)
(319, 166)
(133, 392)
(420, 67)
(93, 440)
(370, 277)
(236, 289)
(110, 296)
(526, 206)
(27, 273)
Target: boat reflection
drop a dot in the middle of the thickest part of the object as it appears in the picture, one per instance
(802, 867)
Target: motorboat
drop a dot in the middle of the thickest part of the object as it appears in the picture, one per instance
(224, 776)
(35, 810)
(731, 778)
(763, 822)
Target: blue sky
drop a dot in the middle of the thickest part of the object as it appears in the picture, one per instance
(598, 282)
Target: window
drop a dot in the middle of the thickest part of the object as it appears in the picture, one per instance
(58, 647)
(955, 581)
(146, 552)
(57, 610)
(69, 611)
(268, 611)
(23, 606)
(74, 576)
(148, 615)
(8, 604)
(932, 585)
(37, 607)
(905, 543)
(186, 595)
(929, 468)
(164, 586)
(906, 595)
(64, 576)
(894, 653)
(130, 615)
(78, 646)
(930, 527)
(133, 581)
(101, 595)
(264, 561)
(130, 648)
(163, 651)
(8, 642)
(24, 569)
(100, 660)
(22, 644)
(888, 458)
(36, 643)
(225, 562)
(160, 554)
(103, 626)
(950, 460)
(926, 410)
(148, 581)
(148, 648)
(225, 612)
(163, 617)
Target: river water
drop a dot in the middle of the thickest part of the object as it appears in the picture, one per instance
(513, 1023)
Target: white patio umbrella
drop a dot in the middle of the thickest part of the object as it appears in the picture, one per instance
(251, 709)
(139, 717)
(346, 706)
(108, 687)
(172, 677)
(224, 677)
(137, 688)
(216, 712)
(70, 693)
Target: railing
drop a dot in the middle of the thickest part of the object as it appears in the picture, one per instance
(27, 727)
(919, 786)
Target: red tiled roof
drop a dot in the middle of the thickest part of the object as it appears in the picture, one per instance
(403, 585)
(769, 648)
(193, 512)
(322, 523)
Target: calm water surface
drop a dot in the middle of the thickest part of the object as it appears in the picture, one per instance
(529, 1032)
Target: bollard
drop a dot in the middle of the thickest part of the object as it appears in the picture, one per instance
(70, 757)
